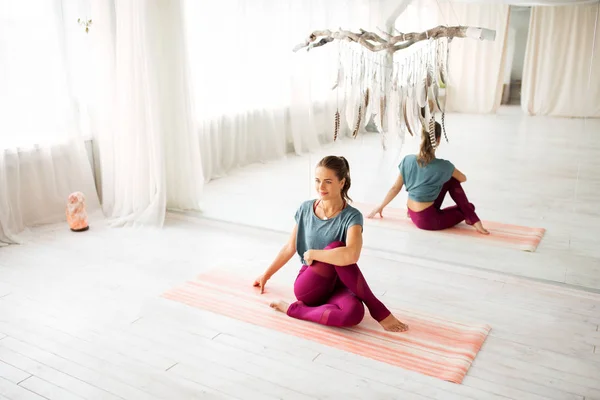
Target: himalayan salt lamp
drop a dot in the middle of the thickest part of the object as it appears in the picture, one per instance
(76, 214)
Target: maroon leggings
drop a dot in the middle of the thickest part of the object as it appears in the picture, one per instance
(434, 218)
(334, 296)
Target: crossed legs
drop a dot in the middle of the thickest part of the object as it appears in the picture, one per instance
(435, 218)
(334, 296)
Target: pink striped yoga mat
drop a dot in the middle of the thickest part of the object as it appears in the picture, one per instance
(512, 236)
(433, 346)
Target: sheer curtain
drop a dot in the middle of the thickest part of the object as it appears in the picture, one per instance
(35, 101)
(255, 98)
(475, 68)
(42, 155)
(562, 37)
(142, 112)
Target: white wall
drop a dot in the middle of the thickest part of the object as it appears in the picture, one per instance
(519, 21)
(510, 54)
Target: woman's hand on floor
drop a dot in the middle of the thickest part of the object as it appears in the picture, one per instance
(260, 282)
(376, 210)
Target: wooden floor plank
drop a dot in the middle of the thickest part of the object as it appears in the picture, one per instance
(12, 374)
(549, 377)
(108, 361)
(544, 358)
(506, 390)
(13, 391)
(522, 383)
(207, 375)
(12, 348)
(53, 376)
(47, 390)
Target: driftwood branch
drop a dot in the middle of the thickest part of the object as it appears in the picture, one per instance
(376, 43)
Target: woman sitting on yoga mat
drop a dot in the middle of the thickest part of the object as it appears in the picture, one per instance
(330, 288)
(427, 181)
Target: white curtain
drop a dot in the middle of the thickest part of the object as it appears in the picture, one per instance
(142, 112)
(36, 106)
(476, 68)
(255, 98)
(35, 183)
(42, 154)
(558, 62)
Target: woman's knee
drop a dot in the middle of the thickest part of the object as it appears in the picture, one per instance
(312, 288)
(425, 220)
(334, 245)
(453, 182)
(354, 314)
(312, 296)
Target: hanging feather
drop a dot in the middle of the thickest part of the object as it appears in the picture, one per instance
(422, 118)
(443, 64)
(380, 129)
(400, 123)
(340, 77)
(433, 98)
(367, 106)
(436, 104)
(358, 120)
(429, 125)
(353, 93)
(406, 118)
(429, 75)
(442, 73)
(391, 115)
(432, 131)
(441, 78)
(402, 92)
(361, 110)
(420, 83)
(336, 129)
(432, 88)
(382, 109)
(444, 126)
(378, 124)
(421, 90)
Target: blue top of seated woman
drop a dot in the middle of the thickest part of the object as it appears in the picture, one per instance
(315, 233)
(424, 184)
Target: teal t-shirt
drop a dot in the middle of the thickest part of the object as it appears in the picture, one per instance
(315, 233)
(424, 184)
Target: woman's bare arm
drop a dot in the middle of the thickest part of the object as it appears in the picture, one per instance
(340, 256)
(284, 255)
(392, 193)
(459, 176)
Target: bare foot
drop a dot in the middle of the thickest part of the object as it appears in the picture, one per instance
(479, 226)
(280, 306)
(391, 323)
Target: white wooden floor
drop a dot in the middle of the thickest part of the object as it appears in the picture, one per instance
(81, 316)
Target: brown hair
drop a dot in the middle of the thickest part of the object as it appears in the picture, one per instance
(340, 166)
(427, 151)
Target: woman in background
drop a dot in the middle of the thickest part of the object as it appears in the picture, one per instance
(427, 180)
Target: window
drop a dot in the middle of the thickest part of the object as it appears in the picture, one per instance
(241, 54)
(35, 105)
